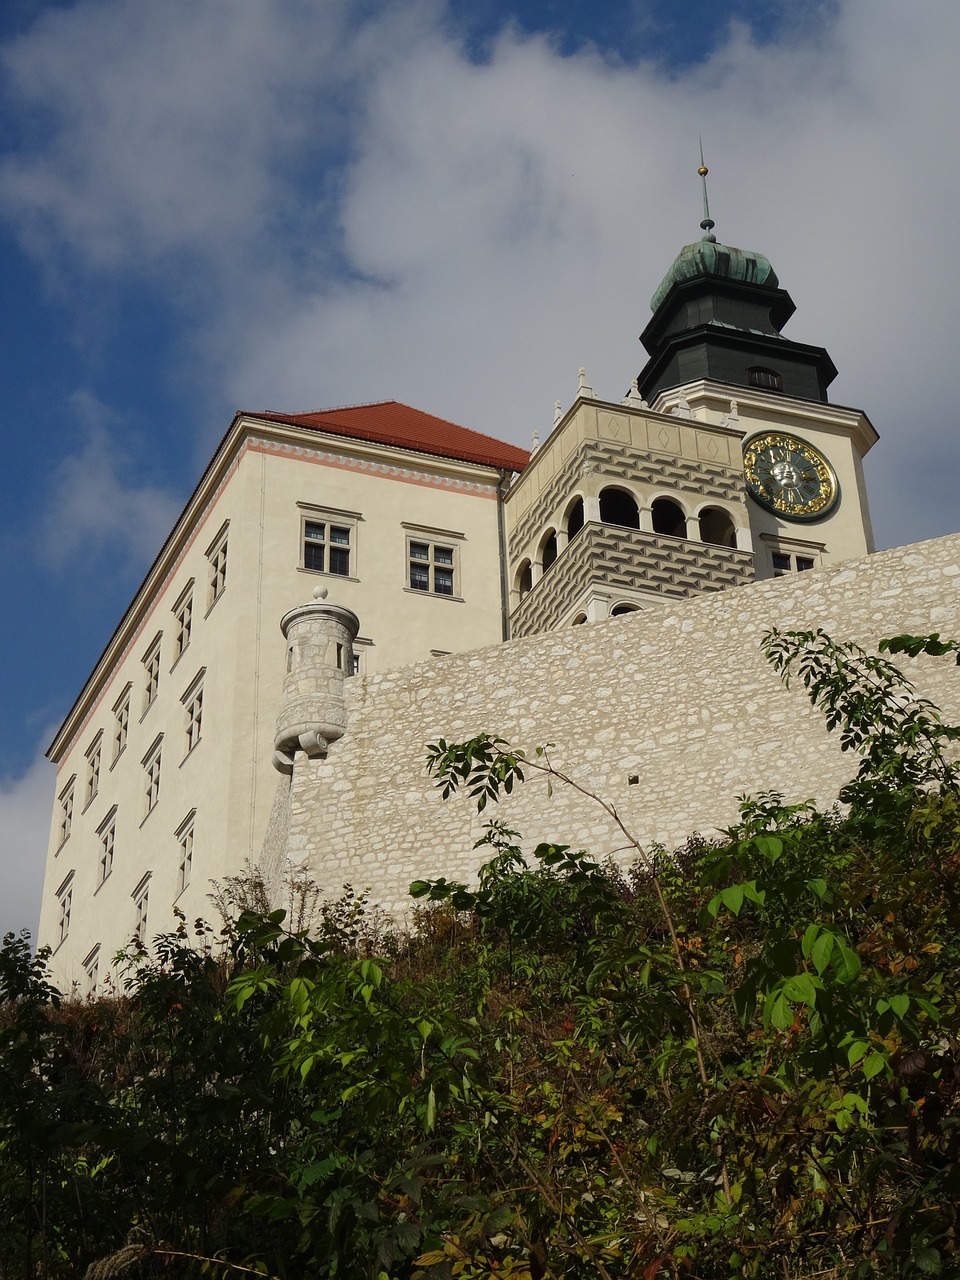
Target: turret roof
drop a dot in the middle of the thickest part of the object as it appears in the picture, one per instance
(708, 258)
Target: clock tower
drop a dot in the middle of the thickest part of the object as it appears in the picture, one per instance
(717, 354)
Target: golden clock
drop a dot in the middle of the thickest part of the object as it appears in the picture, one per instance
(788, 476)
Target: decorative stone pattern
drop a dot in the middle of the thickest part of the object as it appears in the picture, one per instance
(679, 698)
(628, 558)
(623, 462)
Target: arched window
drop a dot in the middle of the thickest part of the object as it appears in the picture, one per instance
(548, 550)
(618, 507)
(579, 620)
(668, 518)
(619, 610)
(574, 519)
(717, 527)
(524, 579)
(769, 379)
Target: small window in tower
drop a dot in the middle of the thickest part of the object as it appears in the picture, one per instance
(192, 702)
(151, 671)
(768, 379)
(94, 752)
(141, 899)
(185, 844)
(151, 769)
(121, 723)
(66, 812)
(574, 519)
(668, 518)
(65, 900)
(106, 834)
(548, 550)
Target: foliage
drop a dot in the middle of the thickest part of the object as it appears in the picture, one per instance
(742, 1060)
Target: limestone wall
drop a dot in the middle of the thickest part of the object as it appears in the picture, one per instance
(677, 696)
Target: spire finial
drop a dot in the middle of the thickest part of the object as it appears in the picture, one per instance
(707, 224)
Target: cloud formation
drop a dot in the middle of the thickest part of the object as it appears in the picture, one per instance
(95, 504)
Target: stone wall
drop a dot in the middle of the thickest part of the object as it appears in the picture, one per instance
(677, 697)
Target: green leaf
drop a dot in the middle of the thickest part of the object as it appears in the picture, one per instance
(900, 1004)
(430, 1120)
(873, 1065)
(822, 951)
(770, 846)
(928, 1261)
(856, 1051)
(847, 964)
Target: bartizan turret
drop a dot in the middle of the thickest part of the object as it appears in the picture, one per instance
(319, 640)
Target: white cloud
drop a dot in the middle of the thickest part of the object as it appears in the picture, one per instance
(95, 505)
(374, 215)
(25, 805)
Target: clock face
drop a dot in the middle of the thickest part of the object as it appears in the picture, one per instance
(788, 476)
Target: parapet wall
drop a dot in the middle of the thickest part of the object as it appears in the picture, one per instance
(678, 696)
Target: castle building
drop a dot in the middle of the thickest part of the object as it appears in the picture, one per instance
(725, 464)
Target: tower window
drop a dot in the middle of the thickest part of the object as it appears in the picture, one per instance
(548, 552)
(151, 667)
(151, 768)
(784, 563)
(185, 841)
(217, 557)
(121, 722)
(107, 834)
(768, 379)
(93, 767)
(575, 519)
(193, 712)
(66, 812)
(65, 899)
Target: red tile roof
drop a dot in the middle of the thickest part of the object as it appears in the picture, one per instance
(397, 424)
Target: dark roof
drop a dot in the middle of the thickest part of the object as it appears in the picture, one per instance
(390, 422)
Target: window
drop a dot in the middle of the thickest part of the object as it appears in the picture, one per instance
(786, 562)
(769, 379)
(431, 568)
(141, 898)
(574, 519)
(151, 667)
(91, 967)
(93, 768)
(121, 718)
(548, 550)
(185, 841)
(183, 613)
(65, 899)
(217, 556)
(524, 579)
(66, 811)
(151, 766)
(717, 527)
(106, 832)
(193, 711)
(326, 547)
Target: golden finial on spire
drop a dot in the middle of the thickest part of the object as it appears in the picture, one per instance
(707, 224)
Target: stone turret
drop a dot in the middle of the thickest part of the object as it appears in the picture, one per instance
(319, 640)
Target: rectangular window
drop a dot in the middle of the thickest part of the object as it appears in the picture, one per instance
(66, 811)
(217, 556)
(65, 899)
(141, 899)
(193, 711)
(151, 767)
(121, 722)
(91, 967)
(432, 567)
(151, 667)
(185, 841)
(784, 563)
(326, 547)
(183, 615)
(93, 768)
(107, 832)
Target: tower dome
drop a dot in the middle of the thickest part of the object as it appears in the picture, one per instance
(706, 258)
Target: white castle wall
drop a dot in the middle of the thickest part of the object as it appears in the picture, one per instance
(678, 695)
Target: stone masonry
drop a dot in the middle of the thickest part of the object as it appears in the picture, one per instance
(670, 714)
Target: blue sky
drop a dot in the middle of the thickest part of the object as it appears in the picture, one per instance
(292, 204)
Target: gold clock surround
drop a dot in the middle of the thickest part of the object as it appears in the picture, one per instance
(789, 476)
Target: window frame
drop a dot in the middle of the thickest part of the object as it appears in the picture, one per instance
(121, 724)
(91, 968)
(152, 763)
(64, 896)
(793, 550)
(311, 514)
(107, 835)
(141, 899)
(94, 758)
(432, 539)
(217, 561)
(66, 801)
(183, 616)
(151, 667)
(192, 702)
(185, 835)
